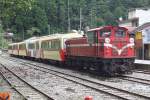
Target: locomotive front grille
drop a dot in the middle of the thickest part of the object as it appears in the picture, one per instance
(114, 52)
(119, 45)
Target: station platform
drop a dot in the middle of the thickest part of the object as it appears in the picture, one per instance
(142, 64)
(146, 62)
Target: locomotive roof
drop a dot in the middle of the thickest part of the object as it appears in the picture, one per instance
(99, 28)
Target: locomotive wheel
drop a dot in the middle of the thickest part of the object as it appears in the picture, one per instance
(121, 69)
(108, 69)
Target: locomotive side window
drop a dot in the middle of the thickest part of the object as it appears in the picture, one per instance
(91, 36)
(120, 33)
(105, 33)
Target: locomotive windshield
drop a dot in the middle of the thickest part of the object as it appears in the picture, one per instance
(105, 33)
(120, 33)
(91, 36)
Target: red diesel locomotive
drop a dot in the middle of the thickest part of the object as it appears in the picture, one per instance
(108, 50)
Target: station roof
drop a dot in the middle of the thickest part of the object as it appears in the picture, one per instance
(146, 25)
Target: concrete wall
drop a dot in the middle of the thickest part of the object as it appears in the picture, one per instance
(142, 14)
(129, 24)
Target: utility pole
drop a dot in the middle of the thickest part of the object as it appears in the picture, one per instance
(91, 20)
(1, 35)
(48, 26)
(68, 18)
(80, 18)
(23, 37)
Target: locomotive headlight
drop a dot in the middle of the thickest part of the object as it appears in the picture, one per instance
(131, 40)
(107, 40)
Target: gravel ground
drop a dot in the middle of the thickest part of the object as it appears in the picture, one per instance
(66, 90)
(56, 87)
(5, 87)
(130, 86)
(116, 82)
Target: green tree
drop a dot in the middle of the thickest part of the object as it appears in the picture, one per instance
(9, 8)
(119, 12)
(109, 18)
(39, 19)
(34, 31)
(23, 15)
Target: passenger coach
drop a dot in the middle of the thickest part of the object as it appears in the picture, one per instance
(53, 47)
(50, 47)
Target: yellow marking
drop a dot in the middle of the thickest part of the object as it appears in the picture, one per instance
(22, 52)
(54, 55)
(138, 35)
(15, 52)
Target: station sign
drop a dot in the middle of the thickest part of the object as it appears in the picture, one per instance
(138, 39)
(138, 36)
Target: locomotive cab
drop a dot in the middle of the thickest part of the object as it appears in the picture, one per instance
(112, 42)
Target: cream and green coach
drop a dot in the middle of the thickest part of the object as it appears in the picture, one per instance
(53, 46)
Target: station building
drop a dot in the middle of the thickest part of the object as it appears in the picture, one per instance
(136, 17)
(143, 51)
(139, 19)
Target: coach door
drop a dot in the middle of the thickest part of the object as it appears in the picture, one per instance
(31, 49)
(37, 51)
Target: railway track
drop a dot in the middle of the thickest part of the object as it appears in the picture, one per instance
(142, 71)
(96, 85)
(6, 87)
(27, 91)
(135, 79)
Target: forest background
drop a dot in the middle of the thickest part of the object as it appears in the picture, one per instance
(27, 18)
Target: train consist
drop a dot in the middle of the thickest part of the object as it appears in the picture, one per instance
(108, 50)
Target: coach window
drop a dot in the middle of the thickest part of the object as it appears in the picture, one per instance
(20, 46)
(55, 44)
(49, 45)
(45, 45)
(31, 46)
(58, 44)
(37, 45)
(13, 47)
(23, 46)
(9, 47)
